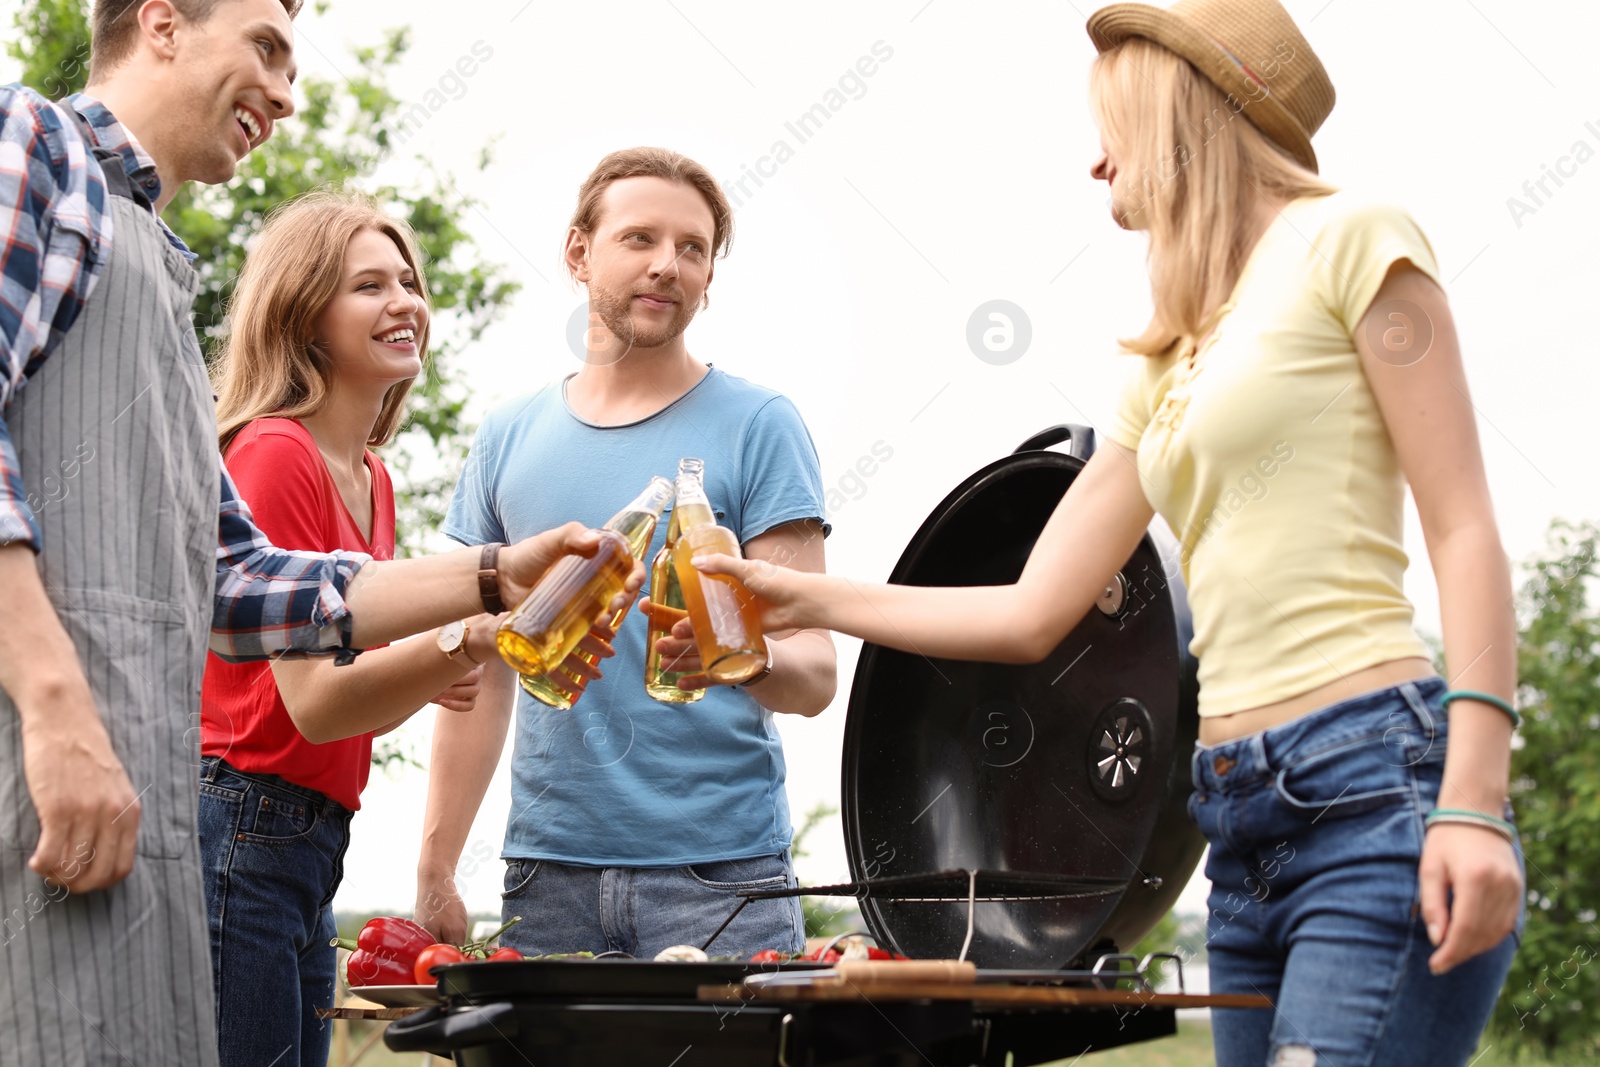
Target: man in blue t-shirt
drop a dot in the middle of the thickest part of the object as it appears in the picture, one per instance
(634, 822)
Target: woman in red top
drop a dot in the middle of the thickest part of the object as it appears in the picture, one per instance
(329, 330)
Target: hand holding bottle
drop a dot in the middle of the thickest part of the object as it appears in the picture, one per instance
(679, 652)
(524, 563)
(596, 578)
(785, 599)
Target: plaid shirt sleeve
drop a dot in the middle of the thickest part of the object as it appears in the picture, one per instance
(271, 600)
(54, 236)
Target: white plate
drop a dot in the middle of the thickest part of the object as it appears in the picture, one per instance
(398, 996)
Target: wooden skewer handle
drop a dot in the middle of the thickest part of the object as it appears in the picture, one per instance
(872, 972)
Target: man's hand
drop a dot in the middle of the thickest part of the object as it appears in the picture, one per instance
(680, 654)
(88, 810)
(439, 908)
(524, 563)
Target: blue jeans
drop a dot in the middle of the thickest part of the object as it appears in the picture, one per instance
(272, 855)
(1316, 831)
(642, 910)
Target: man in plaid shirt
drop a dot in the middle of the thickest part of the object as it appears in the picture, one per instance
(180, 90)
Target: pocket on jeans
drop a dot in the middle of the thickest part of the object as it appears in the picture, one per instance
(276, 817)
(1345, 781)
(519, 875)
(753, 873)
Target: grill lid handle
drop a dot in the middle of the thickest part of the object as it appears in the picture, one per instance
(432, 1030)
(1080, 440)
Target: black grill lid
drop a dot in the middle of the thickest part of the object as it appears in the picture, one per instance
(1070, 769)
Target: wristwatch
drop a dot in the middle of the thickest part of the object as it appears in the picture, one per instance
(452, 640)
(489, 578)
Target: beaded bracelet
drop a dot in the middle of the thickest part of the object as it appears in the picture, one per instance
(1472, 818)
(1487, 698)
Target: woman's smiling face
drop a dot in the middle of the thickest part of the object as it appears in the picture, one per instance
(371, 328)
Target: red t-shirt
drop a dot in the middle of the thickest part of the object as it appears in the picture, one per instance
(281, 475)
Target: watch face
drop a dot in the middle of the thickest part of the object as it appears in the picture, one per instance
(451, 636)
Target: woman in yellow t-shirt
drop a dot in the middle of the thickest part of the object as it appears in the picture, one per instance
(1301, 368)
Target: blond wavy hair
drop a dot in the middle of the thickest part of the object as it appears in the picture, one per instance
(268, 367)
(1190, 164)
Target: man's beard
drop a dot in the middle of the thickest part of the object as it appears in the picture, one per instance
(616, 313)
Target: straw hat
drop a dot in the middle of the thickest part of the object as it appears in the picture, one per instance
(1250, 49)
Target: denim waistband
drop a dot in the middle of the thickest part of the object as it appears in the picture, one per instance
(1257, 757)
(214, 766)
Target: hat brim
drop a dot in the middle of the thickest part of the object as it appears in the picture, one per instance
(1115, 23)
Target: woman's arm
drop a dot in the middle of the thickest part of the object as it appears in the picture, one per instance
(1092, 532)
(386, 686)
(1425, 406)
(381, 689)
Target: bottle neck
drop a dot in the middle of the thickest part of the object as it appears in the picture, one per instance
(653, 501)
(692, 509)
(637, 522)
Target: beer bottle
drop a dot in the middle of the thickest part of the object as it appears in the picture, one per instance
(665, 591)
(721, 610)
(561, 688)
(547, 626)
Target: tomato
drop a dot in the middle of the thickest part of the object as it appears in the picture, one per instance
(433, 956)
(768, 955)
(506, 953)
(831, 956)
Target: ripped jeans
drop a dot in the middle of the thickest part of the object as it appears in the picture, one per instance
(1316, 831)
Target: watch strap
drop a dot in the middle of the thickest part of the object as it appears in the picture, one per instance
(489, 578)
(761, 675)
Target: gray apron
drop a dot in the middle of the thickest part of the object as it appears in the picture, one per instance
(117, 438)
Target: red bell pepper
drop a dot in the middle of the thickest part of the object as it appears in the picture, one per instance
(384, 952)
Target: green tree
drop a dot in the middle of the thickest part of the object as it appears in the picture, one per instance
(344, 133)
(823, 916)
(1551, 1000)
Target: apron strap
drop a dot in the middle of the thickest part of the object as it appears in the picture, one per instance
(116, 175)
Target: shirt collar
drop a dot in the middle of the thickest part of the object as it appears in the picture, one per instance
(109, 133)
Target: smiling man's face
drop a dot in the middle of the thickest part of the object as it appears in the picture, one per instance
(236, 68)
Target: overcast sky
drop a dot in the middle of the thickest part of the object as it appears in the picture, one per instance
(952, 171)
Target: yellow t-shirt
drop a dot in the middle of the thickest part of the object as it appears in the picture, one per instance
(1271, 462)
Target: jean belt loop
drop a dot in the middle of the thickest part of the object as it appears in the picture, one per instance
(1419, 708)
(1258, 751)
(208, 768)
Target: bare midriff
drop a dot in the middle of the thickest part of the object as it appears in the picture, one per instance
(1217, 729)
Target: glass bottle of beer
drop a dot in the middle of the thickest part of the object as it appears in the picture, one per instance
(665, 591)
(561, 688)
(721, 610)
(547, 626)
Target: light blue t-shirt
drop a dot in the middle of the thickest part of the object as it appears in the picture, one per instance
(622, 779)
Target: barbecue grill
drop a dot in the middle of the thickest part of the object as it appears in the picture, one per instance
(1014, 829)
